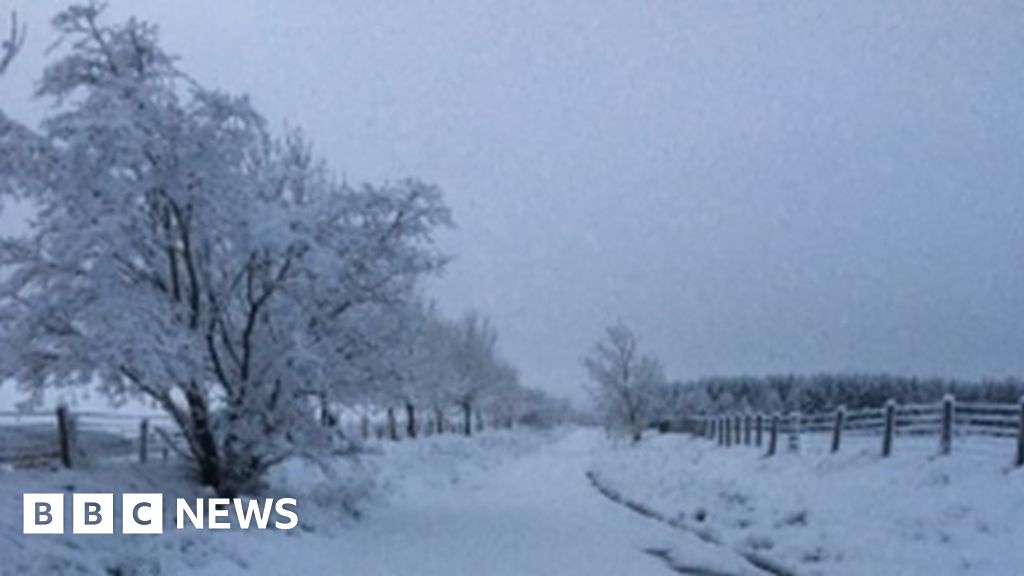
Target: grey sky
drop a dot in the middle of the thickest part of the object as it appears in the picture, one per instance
(774, 186)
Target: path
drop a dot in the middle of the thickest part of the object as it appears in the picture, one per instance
(535, 515)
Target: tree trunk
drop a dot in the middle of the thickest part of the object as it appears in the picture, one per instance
(204, 446)
(327, 418)
(467, 414)
(635, 427)
(439, 420)
(410, 420)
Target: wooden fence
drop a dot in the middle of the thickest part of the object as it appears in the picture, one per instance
(73, 438)
(946, 421)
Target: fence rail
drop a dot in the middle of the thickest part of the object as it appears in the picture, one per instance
(946, 420)
(30, 439)
(72, 438)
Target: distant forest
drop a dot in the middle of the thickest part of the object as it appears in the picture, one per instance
(822, 392)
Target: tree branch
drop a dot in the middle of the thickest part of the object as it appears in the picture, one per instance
(10, 47)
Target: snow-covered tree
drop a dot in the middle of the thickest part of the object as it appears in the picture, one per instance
(624, 382)
(475, 369)
(182, 253)
(506, 401)
(539, 409)
(414, 362)
(824, 392)
(441, 364)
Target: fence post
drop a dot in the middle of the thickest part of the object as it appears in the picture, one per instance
(1020, 435)
(758, 429)
(890, 427)
(728, 431)
(392, 424)
(773, 436)
(747, 422)
(737, 422)
(64, 435)
(946, 438)
(721, 431)
(143, 439)
(796, 421)
(837, 429)
(411, 425)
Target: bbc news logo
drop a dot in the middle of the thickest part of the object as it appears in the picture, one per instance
(93, 513)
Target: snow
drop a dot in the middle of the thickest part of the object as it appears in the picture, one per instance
(499, 503)
(846, 514)
(534, 514)
(572, 502)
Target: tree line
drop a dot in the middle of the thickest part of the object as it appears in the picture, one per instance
(182, 253)
(823, 392)
(630, 391)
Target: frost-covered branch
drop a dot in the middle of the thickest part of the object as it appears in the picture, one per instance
(13, 43)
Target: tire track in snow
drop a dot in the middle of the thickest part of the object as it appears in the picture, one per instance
(758, 561)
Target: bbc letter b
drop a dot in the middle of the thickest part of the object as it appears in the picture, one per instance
(43, 513)
(92, 513)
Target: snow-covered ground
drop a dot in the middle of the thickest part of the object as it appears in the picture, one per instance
(571, 502)
(847, 514)
(515, 503)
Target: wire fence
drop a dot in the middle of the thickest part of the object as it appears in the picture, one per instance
(991, 427)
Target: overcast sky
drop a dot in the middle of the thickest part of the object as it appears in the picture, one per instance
(754, 186)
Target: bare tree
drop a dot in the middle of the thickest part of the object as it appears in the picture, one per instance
(624, 381)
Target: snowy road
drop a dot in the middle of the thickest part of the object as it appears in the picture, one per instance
(533, 515)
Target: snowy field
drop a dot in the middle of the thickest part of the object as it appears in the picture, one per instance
(847, 514)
